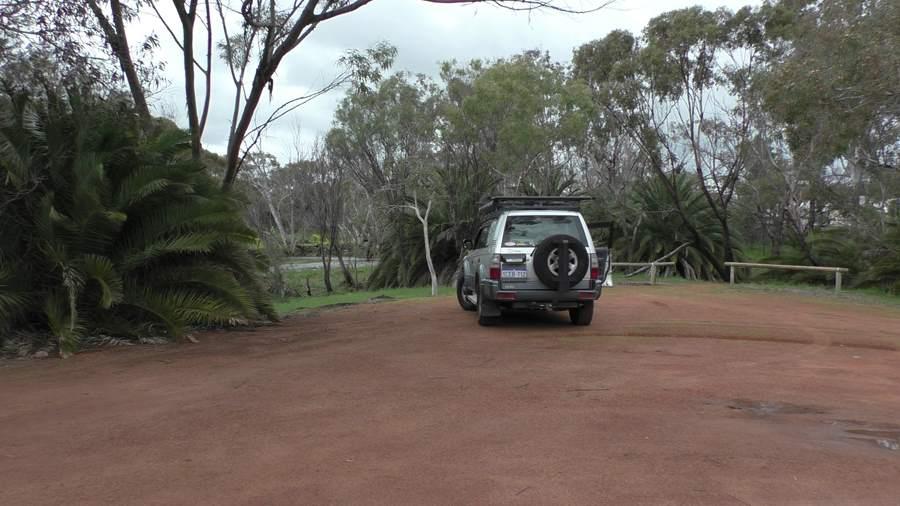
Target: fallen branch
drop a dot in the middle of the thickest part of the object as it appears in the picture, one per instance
(660, 259)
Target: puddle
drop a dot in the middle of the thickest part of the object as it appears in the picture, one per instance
(766, 408)
(884, 436)
(888, 444)
(887, 439)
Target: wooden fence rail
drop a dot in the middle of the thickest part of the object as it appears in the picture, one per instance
(838, 271)
(653, 267)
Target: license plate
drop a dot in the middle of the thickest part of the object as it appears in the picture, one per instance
(514, 272)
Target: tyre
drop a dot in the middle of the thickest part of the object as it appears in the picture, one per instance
(547, 259)
(483, 319)
(461, 296)
(582, 315)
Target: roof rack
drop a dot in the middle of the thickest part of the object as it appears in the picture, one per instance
(498, 204)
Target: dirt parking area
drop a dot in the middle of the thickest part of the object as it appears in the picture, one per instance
(687, 394)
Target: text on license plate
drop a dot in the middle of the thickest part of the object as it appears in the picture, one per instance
(514, 272)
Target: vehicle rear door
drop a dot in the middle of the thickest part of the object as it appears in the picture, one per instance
(480, 254)
(515, 249)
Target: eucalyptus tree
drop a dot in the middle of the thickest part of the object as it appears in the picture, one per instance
(832, 83)
(614, 68)
(385, 139)
(524, 119)
(682, 92)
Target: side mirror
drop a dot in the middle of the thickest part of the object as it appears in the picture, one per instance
(467, 244)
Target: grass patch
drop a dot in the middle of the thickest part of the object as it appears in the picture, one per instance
(861, 295)
(755, 253)
(826, 291)
(296, 280)
(293, 304)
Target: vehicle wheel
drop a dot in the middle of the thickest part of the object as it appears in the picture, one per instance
(461, 296)
(582, 315)
(483, 319)
(546, 260)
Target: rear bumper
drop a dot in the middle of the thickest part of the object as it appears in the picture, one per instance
(538, 299)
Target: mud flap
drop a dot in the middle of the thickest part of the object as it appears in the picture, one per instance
(487, 307)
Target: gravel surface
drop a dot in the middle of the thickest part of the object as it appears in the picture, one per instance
(687, 394)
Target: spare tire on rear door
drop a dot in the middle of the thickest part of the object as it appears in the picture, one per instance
(546, 260)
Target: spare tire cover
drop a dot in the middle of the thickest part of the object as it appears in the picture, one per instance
(546, 260)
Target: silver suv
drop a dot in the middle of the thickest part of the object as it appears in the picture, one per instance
(516, 258)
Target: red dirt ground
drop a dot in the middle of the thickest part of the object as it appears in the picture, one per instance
(688, 394)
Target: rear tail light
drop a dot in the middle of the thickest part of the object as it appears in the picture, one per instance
(507, 296)
(494, 272)
(595, 267)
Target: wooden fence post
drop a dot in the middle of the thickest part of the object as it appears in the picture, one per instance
(731, 275)
(653, 274)
(837, 281)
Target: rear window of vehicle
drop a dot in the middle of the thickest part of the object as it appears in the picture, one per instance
(530, 230)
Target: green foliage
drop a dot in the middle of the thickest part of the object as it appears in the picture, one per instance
(835, 247)
(681, 49)
(104, 232)
(875, 265)
(834, 75)
(660, 228)
(885, 269)
(402, 259)
(521, 116)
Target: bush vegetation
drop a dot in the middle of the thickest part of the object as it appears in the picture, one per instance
(111, 229)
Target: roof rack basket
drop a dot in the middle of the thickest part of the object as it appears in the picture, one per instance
(498, 204)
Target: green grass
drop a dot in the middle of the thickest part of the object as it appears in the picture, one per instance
(862, 295)
(293, 304)
(296, 280)
(344, 295)
(755, 253)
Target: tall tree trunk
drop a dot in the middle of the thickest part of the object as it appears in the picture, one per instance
(115, 36)
(348, 276)
(434, 281)
(811, 220)
(424, 221)
(233, 155)
(726, 240)
(326, 265)
(282, 234)
(187, 17)
(778, 232)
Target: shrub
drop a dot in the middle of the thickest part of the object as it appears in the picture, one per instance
(660, 228)
(111, 229)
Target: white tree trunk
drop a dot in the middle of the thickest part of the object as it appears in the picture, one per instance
(424, 221)
(276, 217)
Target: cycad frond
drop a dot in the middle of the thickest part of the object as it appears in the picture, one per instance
(117, 233)
(102, 271)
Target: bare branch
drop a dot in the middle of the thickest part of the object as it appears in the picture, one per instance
(530, 5)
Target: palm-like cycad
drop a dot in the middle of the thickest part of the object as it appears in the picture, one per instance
(116, 235)
(885, 269)
(660, 228)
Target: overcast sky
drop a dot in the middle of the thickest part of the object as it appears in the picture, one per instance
(424, 34)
